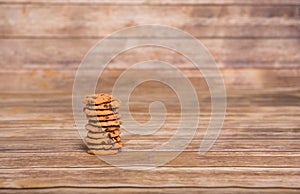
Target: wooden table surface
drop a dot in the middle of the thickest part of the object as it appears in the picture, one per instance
(255, 44)
(258, 149)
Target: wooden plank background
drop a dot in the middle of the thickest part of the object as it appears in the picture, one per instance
(255, 43)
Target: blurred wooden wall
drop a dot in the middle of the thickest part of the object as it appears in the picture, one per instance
(43, 42)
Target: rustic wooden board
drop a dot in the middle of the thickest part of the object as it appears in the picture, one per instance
(80, 159)
(67, 145)
(50, 81)
(164, 2)
(153, 190)
(189, 177)
(258, 147)
(254, 42)
(131, 190)
(69, 20)
(228, 53)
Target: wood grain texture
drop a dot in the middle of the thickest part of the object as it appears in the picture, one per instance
(80, 159)
(99, 20)
(255, 43)
(61, 81)
(165, 2)
(257, 149)
(147, 144)
(199, 177)
(131, 190)
(229, 53)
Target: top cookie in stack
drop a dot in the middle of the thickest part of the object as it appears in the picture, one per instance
(104, 119)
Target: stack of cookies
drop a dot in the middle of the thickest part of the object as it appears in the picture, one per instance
(102, 112)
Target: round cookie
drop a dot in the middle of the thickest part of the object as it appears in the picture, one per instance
(94, 120)
(103, 141)
(99, 129)
(109, 105)
(105, 146)
(98, 99)
(110, 134)
(105, 123)
(114, 137)
(90, 112)
(100, 135)
(102, 152)
(104, 118)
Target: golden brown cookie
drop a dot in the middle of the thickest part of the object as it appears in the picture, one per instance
(98, 99)
(97, 129)
(94, 120)
(109, 134)
(109, 105)
(105, 123)
(104, 118)
(97, 135)
(102, 141)
(104, 146)
(102, 152)
(90, 112)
